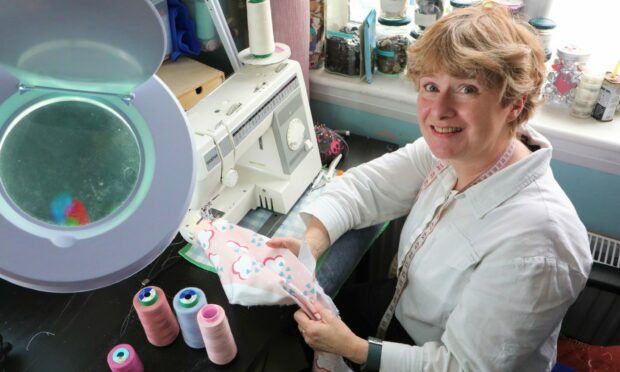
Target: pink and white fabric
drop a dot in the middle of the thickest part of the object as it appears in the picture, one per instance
(254, 274)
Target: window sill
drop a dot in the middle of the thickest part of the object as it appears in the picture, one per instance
(584, 142)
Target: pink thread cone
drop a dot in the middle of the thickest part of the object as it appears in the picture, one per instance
(216, 333)
(159, 323)
(123, 358)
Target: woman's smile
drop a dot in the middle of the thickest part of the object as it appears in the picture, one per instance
(446, 130)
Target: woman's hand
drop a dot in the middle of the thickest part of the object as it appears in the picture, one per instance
(330, 334)
(316, 237)
(292, 244)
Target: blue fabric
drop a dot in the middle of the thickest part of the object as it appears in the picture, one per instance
(343, 256)
(182, 31)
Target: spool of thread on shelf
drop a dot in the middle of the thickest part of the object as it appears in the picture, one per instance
(160, 325)
(123, 358)
(187, 302)
(216, 333)
(260, 28)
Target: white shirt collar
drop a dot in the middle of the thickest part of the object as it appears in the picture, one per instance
(493, 191)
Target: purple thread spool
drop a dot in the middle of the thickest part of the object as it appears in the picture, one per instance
(187, 303)
(123, 358)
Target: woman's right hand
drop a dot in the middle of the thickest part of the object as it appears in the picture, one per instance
(292, 244)
(316, 237)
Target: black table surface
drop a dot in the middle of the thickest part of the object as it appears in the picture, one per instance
(75, 332)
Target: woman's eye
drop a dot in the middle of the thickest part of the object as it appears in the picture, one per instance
(469, 89)
(430, 87)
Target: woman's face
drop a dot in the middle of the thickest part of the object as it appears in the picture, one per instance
(462, 121)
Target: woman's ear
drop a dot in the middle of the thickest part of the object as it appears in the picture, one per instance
(516, 109)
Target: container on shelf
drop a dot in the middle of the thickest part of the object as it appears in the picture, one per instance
(425, 14)
(586, 93)
(516, 7)
(393, 40)
(342, 54)
(460, 4)
(394, 9)
(608, 98)
(544, 29)
(564, 76)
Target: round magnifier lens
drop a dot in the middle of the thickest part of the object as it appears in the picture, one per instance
(69, 161)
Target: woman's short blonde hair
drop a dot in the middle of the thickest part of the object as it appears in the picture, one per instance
(486, 43)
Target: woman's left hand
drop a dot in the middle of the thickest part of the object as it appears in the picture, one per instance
(330, 334)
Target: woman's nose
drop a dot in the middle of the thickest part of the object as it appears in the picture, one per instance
(443, 106)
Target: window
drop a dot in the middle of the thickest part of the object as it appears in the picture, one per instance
(358, 9)
(591, 25)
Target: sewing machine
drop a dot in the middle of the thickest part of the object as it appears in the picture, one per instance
(255, 145)
(98, 161)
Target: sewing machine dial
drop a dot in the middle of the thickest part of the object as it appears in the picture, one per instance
(295, 134)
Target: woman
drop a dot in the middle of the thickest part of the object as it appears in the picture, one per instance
(492, 253)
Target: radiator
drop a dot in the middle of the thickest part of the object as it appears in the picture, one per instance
(595, 317)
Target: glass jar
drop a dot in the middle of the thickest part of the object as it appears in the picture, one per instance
(459, 4)
(544, 28)
(394, 9)
(516, 7)
(564, 76)
(342, 51)
(586, 93)
(393, 40)
(427, 12)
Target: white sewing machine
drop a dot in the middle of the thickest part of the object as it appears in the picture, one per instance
(255, 145)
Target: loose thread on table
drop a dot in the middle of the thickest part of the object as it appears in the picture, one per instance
(163, 264)
(123, 358)
(216, 334)
(159, 323)
(125, 323)
(186, 303)
(152, 276)
(35, 335)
